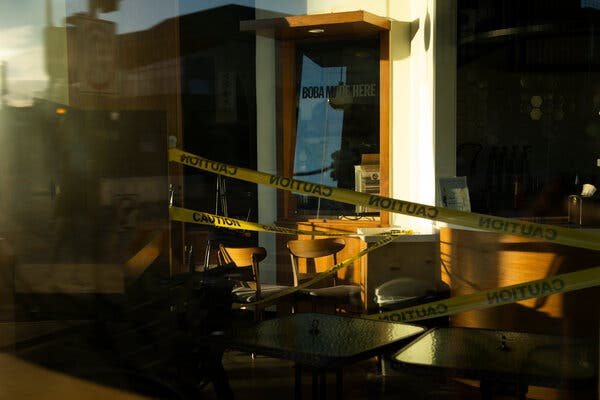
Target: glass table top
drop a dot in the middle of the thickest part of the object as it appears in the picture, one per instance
(480, 353)
(314, 338)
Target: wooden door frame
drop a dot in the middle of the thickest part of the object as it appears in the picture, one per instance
(287, 118)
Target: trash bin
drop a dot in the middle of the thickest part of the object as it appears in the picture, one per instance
(407, 292)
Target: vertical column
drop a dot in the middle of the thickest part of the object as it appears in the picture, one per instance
(7, 292)
(266, 147)
(423, 112)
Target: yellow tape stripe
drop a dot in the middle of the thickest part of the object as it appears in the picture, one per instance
(495, 297)
(551, 233)
(198, 217)
(318, 278)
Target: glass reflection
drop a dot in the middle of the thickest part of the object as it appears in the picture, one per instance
(338, 118)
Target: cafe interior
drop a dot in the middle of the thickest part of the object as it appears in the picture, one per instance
(320, 199)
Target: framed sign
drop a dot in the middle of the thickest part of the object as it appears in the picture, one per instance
(455, 193)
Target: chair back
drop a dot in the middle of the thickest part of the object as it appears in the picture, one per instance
(247, 258)
(312, 249)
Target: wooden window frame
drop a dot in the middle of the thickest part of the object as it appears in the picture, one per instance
(291, 30)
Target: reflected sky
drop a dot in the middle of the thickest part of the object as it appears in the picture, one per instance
(319, 130)
(22, 26)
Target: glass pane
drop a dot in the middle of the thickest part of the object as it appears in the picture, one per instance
(527, 105)
(338, 119)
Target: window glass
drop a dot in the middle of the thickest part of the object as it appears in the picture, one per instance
(338, 118)
(527, 105)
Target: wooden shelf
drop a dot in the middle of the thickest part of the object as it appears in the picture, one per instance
(332, 24)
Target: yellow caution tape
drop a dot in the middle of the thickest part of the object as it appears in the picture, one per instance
(485, 299)
(198, 217)
(190, 216)
(551, 233)
(495, 297)
(318, 278)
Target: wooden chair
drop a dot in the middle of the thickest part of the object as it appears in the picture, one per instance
(249, 287)
(342, 297)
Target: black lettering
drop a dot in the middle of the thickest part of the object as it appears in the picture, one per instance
(485, 222)
(400, 204)
(505, 295)
(551, 234)
(558, 284)
(493, 298)
(495, 225)
(537, 232)
(528, 231)
(385, 203)
(374, 201)
(534, 289)
(546, 288)
(432, 212)
(331, 91)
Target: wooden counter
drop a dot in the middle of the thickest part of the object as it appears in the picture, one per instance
(474, 260)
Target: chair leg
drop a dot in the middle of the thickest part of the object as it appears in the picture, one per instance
(315, 384)
(323, 385)
(339, 383)
(297, 382)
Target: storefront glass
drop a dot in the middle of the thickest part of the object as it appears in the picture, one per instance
(338, 121)
(98, 282)
(527, 104)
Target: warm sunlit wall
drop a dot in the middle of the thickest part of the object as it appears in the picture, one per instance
(422, 109)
